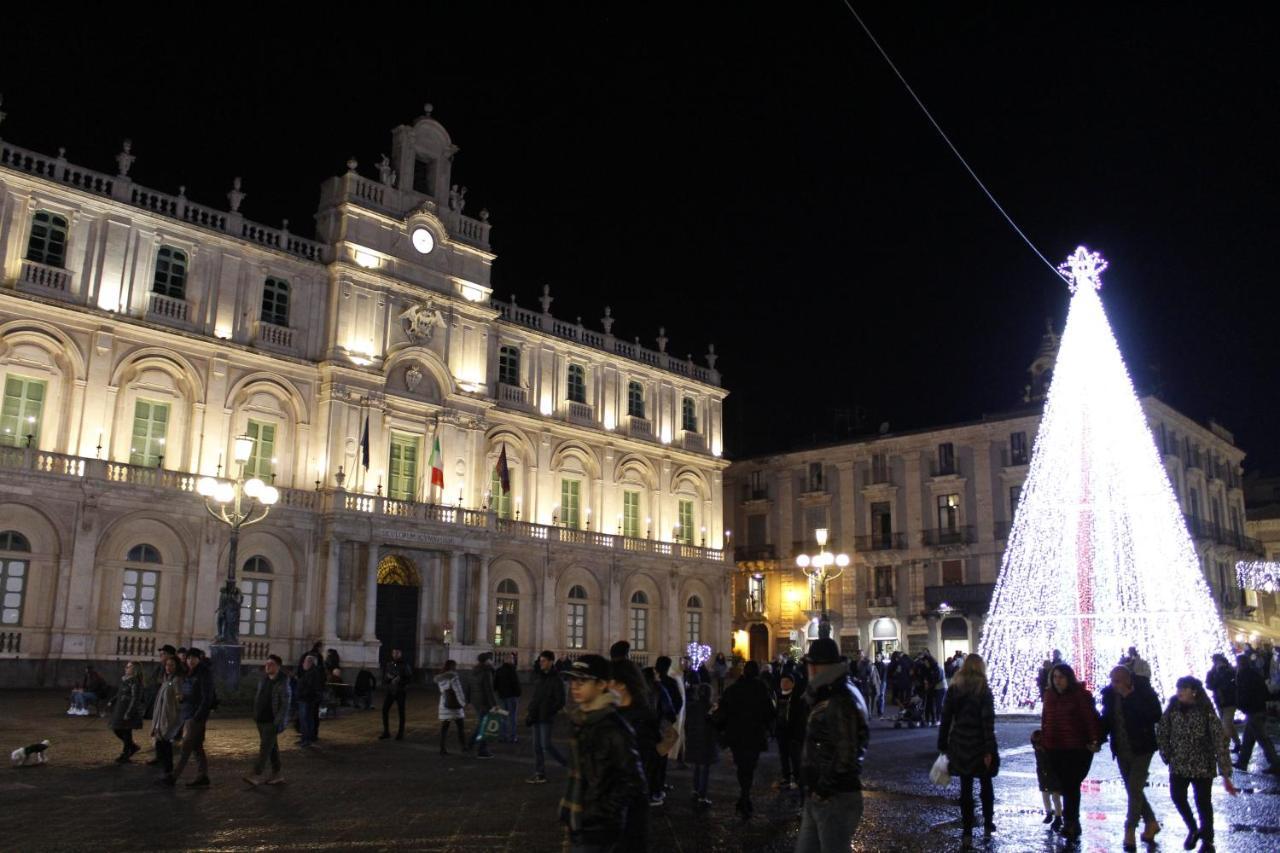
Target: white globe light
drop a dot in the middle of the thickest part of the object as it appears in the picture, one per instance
(269, 495)
(224, 493)
(253, 487)
(206, 486)
(842, 560)
(803, 561)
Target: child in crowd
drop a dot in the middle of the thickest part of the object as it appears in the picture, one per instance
(1050, 787)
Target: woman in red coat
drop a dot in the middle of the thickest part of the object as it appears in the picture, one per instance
(1070, 734)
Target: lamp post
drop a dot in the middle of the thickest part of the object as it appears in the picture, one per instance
(821, 568)
(236, 503)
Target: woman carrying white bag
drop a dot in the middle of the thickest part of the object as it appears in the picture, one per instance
(967, 739)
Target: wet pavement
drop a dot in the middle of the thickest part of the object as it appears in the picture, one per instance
(354, 792)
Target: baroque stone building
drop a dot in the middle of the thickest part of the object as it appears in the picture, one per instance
(924, 517)
(140, 333)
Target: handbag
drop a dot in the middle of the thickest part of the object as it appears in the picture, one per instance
(667, 743)
(451, 702)
(940, 773)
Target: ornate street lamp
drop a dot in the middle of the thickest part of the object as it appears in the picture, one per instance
(819, 569)
(236, 503)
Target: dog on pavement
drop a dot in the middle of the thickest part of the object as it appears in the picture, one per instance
(30, 755)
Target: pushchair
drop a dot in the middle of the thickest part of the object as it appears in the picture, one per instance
(911, 715)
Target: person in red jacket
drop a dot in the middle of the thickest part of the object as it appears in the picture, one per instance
(1071, 732)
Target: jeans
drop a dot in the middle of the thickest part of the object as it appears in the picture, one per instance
(508, 731)
(701, 779)
(745, 760)
(307, 720)
(1228, 716)
(268, 749)
(1071, 766)
(391, 697)
(1204, 803)
(880, 701)
(541, 746)
(193, 744)
(1133, 768)
(827, 826)
(789, 753)
(80, 698)
(985, 793)
(1255, 729)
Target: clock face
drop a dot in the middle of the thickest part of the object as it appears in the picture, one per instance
(423, 241)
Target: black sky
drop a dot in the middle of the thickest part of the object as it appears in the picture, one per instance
(752, 174)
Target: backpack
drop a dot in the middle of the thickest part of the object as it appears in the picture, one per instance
(451, 702)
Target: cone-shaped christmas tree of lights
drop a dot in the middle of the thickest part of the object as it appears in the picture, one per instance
(1098, 558)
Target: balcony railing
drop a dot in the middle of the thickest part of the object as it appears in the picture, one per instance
(948, 536)
(754, 552)
(42, 278)
(951, 469)
(889, 600)
(880, 542)
(32, 462)
(581, 412)
(276, 336)
(167, 308)
(693, 441)
(639, 427)
(513, 394)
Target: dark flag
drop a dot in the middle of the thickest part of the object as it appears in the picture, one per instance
(504, 475)
(364, 443)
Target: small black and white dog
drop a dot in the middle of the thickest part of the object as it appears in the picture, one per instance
(32, 755)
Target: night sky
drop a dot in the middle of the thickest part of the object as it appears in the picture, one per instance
(754, 175)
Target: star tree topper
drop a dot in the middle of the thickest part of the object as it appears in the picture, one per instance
(1084, 267)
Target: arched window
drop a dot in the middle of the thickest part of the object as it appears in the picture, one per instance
(13, 577)
(577, 384)
(255, 606)
(509, 365)
(171, 273)
(689, 415)
(275, 302)
(506, 625)
(140, 590)
(12, 540)
(635, 399)
(576, 612)
(143, 554)
(693, 620)
(48, 242)
(639, 621)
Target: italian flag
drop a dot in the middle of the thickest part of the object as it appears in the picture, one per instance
(437, 464)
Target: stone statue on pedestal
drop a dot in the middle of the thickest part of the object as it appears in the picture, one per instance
(229, 602)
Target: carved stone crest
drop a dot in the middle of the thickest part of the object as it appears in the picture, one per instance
(421, 321)
(412, 376)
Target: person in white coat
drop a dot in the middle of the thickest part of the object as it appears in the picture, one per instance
(453, 705)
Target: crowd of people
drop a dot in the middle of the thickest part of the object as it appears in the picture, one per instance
(629, 722)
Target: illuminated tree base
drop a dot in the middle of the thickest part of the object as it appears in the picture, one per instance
(1099, 558)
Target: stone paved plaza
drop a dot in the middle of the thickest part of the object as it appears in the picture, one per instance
(353, 792)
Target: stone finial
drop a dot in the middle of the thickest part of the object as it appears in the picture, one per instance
(427, 109)
(462, 199)
(711, 356)
(182, 190)
(62, 153)
(607, 320)
(513, 300)
(662, 339)
(235, 196)
(125, 159)
(546, 299)
(351, 165)
(484, 214)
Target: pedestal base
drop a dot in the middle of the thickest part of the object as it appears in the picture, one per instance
(226, 667)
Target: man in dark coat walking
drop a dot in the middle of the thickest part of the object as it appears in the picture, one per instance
(1251, 694)
(395, 681)
(548, 699)
(743, 716)
(1130, 712)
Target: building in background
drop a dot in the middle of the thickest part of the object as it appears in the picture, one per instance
(924, 517)
(1258, 617)
(141, 333)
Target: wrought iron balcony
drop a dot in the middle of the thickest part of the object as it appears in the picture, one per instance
(744, 553)
(944, 536)
(880, 542)
(964, 597)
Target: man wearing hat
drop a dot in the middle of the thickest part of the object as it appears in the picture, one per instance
(605, 774)
(834, 746)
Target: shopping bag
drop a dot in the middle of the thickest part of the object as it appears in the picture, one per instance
(491, 725)
(940, 773)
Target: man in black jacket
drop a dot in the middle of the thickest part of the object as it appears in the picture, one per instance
(396, 676)
(506, 683)
(834, 745)
(1222, 681)
(605, 775)
(1130, 712)
(198, 698)
(548, 699)
(310, 692)
(1251, 693)
(744, 716)
(270, 705)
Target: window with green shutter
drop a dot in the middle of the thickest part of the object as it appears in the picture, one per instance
(570, 502)
(631, 514)
(261, 462)
(20, 413)
(498, 502)
(150, 426)
(402, 479)
(685, 516)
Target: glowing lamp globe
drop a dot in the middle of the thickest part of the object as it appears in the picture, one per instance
(269, 495)
(206, 486)
(253, 487)
(224, 493)
(803, 561)
(842, 560)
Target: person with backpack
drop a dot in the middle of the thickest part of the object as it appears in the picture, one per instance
(198, 700)
(548, 699)
(506, 683)
(453, 705)
(1221, 681)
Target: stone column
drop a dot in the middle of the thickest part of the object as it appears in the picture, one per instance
(457, 561)
(482, 632)
(371, 595)
(331, 592)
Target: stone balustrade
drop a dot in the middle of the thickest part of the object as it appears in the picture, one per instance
(168, 309)
(44, 279)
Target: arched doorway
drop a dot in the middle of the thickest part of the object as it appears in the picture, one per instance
(955, 636)
(759, 643)
(884, 637)
(396, 624)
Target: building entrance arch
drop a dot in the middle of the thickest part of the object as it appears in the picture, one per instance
(396, 620)
(758, 644)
